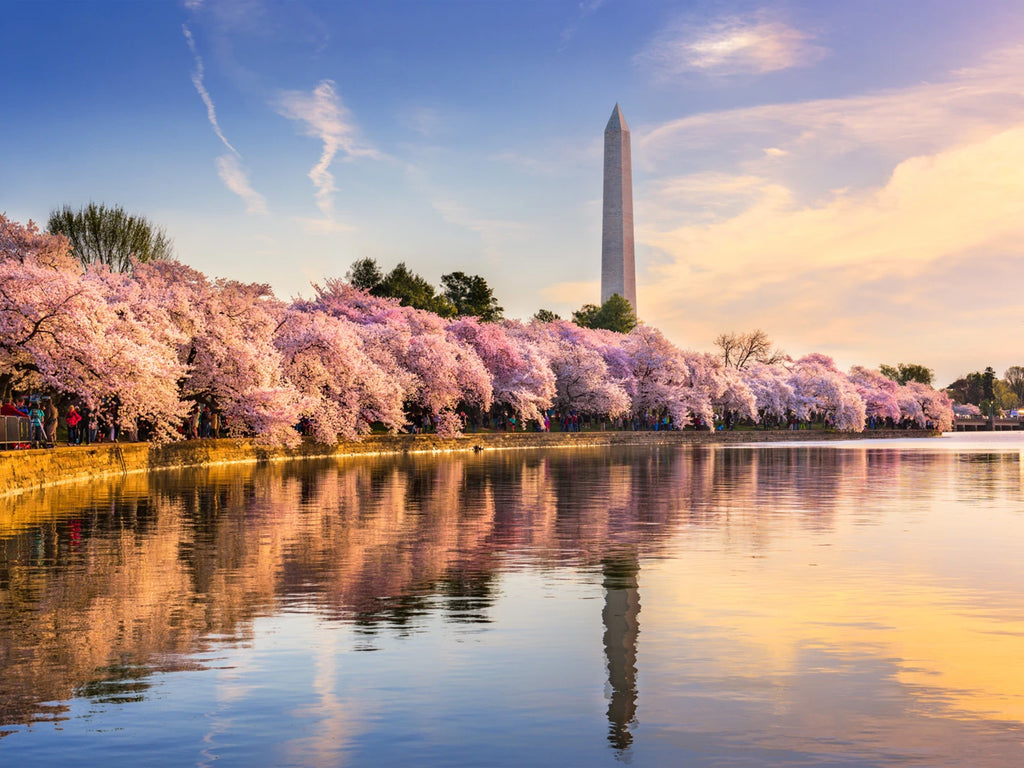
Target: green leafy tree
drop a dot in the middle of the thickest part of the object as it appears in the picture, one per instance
(364, 274)
(412, 290)
(904, 372)
(977, 388)
(1014, 378)
(616, 314)
(585, 316)
(1005, 397)
(102, 235)
(545, 316)
(470, 295)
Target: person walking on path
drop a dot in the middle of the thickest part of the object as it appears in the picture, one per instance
(50, 423)
(73, 419)
(35, 420)
(83, 426)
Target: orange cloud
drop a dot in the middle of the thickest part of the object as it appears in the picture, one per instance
(929, 198)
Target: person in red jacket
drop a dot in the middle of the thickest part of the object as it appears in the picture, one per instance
(8, 409)
(73, 419)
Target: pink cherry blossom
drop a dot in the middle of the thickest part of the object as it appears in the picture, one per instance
(878, 393)
(821, 389)
(520, 376)
(773, 393)
(148, 346)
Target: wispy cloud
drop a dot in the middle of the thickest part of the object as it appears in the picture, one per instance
(326, 118)
(229, 168)
(489, 229)
(236, 179)
(730, 46)
(197, 80)
(848, 141)
(584, 9)
(321, 227)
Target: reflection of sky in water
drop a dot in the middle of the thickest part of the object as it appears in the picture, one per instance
(849, 604)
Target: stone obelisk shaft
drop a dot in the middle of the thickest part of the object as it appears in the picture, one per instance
(618, 264)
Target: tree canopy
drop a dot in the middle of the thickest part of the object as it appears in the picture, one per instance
(109, 235)
(145, 347)
(1014, 378)
(364, 274)
(544, 316)
(739, 350)
(471, 296)
(463, 295)
(904, 372)
(412, 290)
(616, 314)
(977, 388)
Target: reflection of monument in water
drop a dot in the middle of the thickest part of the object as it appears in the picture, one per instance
(621, 628)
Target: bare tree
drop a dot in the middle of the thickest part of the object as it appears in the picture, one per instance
(741, 349)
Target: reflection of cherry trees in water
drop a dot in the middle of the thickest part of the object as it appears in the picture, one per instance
(140, 576)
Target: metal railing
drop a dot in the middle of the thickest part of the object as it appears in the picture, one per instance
(14, 430)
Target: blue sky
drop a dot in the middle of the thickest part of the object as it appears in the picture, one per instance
(842, 175)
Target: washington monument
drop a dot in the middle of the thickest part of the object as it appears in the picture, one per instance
(618, 267)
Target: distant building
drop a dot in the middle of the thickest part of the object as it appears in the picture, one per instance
(618, 264)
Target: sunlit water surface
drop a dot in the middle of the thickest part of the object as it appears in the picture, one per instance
(859, 604)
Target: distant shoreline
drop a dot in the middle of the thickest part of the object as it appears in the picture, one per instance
(34, 469)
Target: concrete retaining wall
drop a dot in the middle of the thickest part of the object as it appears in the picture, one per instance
(22, 470)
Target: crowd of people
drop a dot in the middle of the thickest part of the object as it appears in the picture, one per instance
(42, 419)
(83, 426)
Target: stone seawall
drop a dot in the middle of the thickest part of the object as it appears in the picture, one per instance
(24, 470)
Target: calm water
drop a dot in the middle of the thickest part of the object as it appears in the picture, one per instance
(851, 605)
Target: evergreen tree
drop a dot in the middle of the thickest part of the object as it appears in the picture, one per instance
(545, 316)
(412, 290)
(471, 295)
(616, 314)
(585, 315)
(364, 274)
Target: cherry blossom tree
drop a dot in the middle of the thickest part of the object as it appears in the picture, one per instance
(345, 391)
(711, 385)
(773, 393)
(224, 335)
(910, 407)
(150, 344)
(520, 375)
(583, 381)
(966, 410)
(436, 372)
(821, 389)
(235, 363)
(935, 405)
(25, 242)
(878, 392)
(68, 330)
(660, 380)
